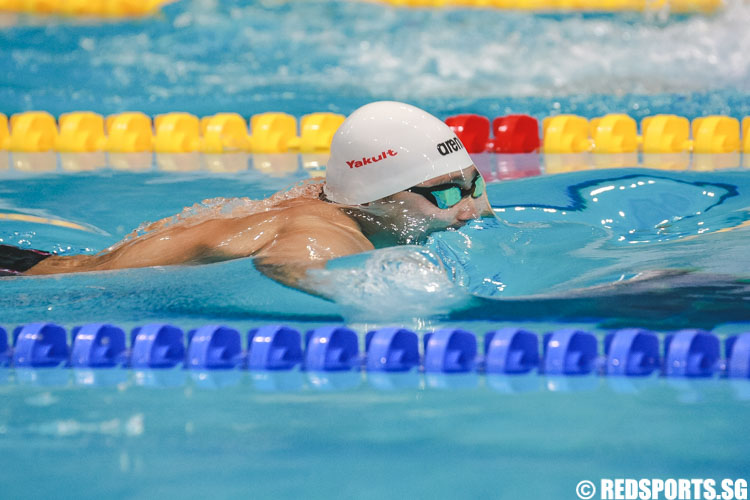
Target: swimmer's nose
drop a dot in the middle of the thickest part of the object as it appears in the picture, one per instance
(468, 210)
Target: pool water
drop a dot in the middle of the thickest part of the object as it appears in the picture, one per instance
(199, 438)
(595, 249)
(609, 226)
(289, 434)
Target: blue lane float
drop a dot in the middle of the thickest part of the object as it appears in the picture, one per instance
(569, 352)
(40, 344)
(214, 347)
(511, 350)
(331, 348)
(738, 356)
(691, 353)
(4, 348)
(627, 352)
(631, 352)
(450, 351)
(98, 345)
(157, 345)
(391, 350)
(274, 347)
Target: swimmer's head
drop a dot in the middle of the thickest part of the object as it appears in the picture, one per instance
(421, 180)
(387, 147)
(445, 202)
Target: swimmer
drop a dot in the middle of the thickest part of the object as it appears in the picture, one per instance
(396, 174)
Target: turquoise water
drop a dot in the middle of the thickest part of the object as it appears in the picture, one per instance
(126, 434)
(196, 441)
(596, 249)
(673, 244)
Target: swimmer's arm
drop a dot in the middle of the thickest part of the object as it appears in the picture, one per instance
(171, 246)
(303, 247)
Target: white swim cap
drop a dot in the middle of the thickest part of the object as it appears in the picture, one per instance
(385, 147)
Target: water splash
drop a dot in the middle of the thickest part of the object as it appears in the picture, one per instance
(390, 284)
(227, 208)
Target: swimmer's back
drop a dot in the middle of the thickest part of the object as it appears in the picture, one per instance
(275, 234)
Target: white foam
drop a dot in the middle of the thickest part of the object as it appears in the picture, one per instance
(273, 50)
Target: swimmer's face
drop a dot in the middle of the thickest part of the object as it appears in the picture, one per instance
(414, 214)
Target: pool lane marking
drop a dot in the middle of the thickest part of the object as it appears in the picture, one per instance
(45, 220)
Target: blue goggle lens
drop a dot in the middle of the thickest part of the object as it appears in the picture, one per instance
(447, 198)
(478, 187)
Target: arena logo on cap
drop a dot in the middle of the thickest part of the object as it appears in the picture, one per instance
(449, 146)
(371, 159)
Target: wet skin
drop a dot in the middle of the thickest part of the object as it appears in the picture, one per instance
(294, 236)
(409, 218)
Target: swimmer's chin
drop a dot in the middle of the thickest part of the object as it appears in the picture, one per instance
(463, 223)
(422, 238)
(456, 226)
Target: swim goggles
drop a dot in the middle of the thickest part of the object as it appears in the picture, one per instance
(448, 195)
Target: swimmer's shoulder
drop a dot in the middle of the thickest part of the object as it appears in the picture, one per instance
(300, 213)
(294, 226)
(316, 224)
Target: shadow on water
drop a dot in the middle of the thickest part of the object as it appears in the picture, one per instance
(668, 300)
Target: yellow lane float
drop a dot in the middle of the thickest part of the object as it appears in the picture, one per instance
(33, 131)
(177, 133)
(88, 8)
(129, 133)
(81, 132)
(665, 134)
(224, 133)
(316, 132)
(614, 133)
(565, 134)
(4, 135)
(716, 134)
(676, 6)
(271, 133)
